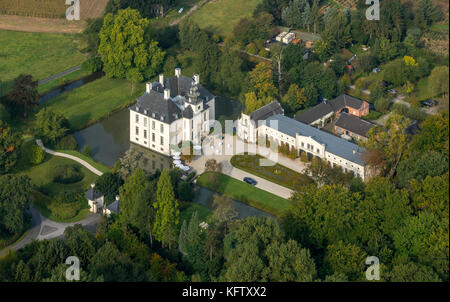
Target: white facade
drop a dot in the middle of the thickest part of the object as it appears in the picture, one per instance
(189, 118)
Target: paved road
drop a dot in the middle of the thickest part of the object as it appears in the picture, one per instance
(240, 147)
(78, 160)
(59, 75)
(44, 228)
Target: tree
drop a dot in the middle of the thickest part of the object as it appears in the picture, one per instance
(144, 214)
(134, 77)
(412, 272)
(229, 77)
(14, 197)
(24, 95)
(337, 31)
(294, 99)
(244, 249)
(129, 193)
(289, 262)
(109, 183)
(346, 259)
(207, 60)
(191, 242)
(434, 135)
(123, 47)
(51, 125)
(81, 243)
(428, 12)
(390, 142)
(167, 211)
(10, 143)
(438, 81)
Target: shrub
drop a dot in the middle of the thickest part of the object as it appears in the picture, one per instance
(92, 65)
(251, 48)
(382, 104)
(67, 142)
(87, 151)
(36, 155)
(67, 174)
(304, 157)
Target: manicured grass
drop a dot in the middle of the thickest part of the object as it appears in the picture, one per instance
(38, 54)
(373, 115)
(87, 104)
(221, 16)
(277, 173)
(42, 178)
(98, 166)
(245, 193)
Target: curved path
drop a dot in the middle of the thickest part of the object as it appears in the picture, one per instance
(44, 228)
(78, 160)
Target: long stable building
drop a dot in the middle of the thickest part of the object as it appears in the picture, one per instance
(304, 138)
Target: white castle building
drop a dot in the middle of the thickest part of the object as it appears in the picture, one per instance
(170, 112)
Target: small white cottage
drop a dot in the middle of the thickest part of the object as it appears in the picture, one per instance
(96, 200)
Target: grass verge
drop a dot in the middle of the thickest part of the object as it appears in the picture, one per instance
(277, 173)
(245, 193)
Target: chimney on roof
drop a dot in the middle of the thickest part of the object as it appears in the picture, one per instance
(117, 197)
(196, 79)
(161, 79)
(92, 186)
(166, 94)
(148, 87)
(177, 72)
(354, 151)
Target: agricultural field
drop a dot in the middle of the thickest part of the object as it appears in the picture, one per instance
(38, 54)
(55, 9)
(220, 16)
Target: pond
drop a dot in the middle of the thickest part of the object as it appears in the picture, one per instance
(205, 197)
(109, 139)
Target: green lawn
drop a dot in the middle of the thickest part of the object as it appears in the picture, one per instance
(246, 193)
(87, 104)
(98, 166)
(42, 178)
(222, 15)
(38, 54)
(277, 173)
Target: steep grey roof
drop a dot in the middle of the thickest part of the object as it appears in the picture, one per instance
(325, 108)
(157, 107)
(333, 144)
(181, 86)
(114, 207)
(266, 111)
(92, 194)
(354, 124)
(345, 100)
(314, 113)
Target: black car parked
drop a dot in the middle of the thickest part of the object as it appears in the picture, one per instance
(430, 103)
(250, 181)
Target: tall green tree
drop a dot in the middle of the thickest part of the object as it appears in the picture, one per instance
(51, 125)
(167, 211)
(123, 46)
(10, 143)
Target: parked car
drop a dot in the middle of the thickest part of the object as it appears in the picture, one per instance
(393, 91)
(430, 103)
(250, 181)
